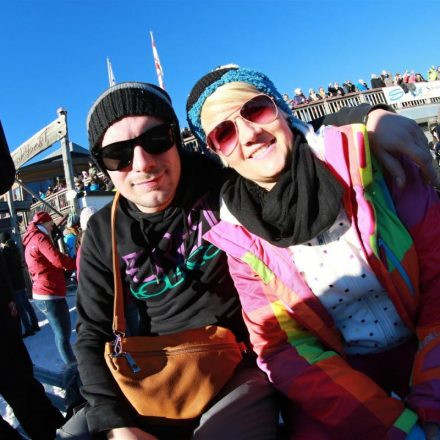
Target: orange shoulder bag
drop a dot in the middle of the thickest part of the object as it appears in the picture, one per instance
(171, 377)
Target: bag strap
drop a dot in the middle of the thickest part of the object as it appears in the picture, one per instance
(118, 308)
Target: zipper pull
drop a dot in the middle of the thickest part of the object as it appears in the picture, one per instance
(133, 365)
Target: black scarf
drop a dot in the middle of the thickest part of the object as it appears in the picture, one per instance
(303, 203)
(170, 235)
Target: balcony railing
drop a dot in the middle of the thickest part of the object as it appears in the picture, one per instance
(316, 109)
(57, 200)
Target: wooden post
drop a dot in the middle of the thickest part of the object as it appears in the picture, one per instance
(67, 160)
(17, 239)
(14, 222)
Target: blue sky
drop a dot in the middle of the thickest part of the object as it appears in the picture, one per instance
(53, 53)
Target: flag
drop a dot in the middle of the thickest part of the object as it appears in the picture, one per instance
(111, 77)
(157, 65)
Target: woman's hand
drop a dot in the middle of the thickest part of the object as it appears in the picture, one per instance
(391, 134)
(129, 434)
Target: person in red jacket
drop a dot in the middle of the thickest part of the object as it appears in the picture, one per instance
(46, 267)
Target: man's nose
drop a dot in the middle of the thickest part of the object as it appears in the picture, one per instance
(142, 160)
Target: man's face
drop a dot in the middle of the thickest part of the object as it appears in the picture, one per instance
(150, 182)
(49, 226)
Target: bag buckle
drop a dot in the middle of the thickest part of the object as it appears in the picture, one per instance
(117, 344)
(118, 352)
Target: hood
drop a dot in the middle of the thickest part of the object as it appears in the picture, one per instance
(30, 232)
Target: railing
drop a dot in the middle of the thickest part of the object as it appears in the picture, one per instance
(190, 143)
(57, 200)
(317, 109)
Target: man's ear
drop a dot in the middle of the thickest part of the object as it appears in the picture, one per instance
(7, 168)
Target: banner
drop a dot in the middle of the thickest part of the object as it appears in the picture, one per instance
(422, 90)
(157, 64)
(40, 141)
(111, 77)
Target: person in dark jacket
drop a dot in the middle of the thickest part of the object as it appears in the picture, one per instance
(376, 82)
(26, 312)
(434, 145)
(174, 281)
(46, 266)
(349, 87)
(26, 396)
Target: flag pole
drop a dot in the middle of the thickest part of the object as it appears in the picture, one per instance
(157, 65)
(111, 77)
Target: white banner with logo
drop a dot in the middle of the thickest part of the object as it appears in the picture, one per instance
(421, 90)
(46, 137)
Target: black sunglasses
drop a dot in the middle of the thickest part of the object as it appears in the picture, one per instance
(156, 140)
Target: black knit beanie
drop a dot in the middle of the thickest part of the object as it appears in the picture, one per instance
(127, 99)
(203, 83)
(210, 82)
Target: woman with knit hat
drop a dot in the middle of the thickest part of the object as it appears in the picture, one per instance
(46, 267)
(337, 264)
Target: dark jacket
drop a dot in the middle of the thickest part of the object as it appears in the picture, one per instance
(377, 83)
(9, 325)
(14, 265)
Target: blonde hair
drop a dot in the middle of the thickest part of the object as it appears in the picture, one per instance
(222, 99)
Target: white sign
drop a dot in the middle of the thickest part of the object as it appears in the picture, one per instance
(422, 90)
(40, 141)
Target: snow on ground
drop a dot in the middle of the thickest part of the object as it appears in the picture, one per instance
(44, 353)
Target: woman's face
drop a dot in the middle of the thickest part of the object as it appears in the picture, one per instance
(262, 152)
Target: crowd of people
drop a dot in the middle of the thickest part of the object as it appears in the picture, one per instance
(58, 184)
(85, 181)
(385, 79)
(92, 180)
(319, 255)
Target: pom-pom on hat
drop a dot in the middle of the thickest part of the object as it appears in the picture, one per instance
(41, 217)
(210, 82)
(127, 99)
(85, 215)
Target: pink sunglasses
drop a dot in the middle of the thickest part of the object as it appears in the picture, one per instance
(223, 138)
